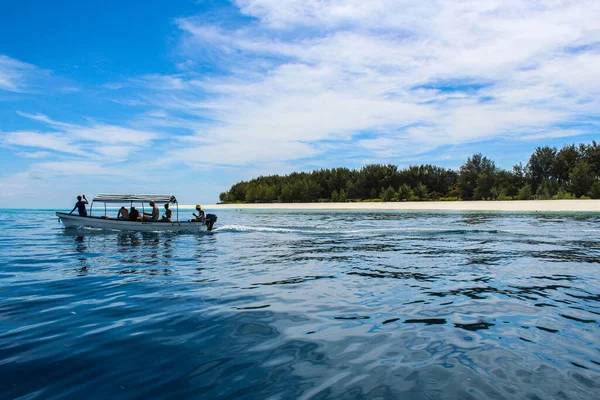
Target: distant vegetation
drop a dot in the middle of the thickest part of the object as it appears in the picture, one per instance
(569, 173)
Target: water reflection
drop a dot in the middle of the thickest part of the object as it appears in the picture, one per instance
(319, 305)
(128, 240)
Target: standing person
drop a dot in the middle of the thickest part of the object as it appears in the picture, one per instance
(123, 214)
(168, 213)
(80, 206)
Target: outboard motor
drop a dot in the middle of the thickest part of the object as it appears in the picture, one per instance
(210, 221)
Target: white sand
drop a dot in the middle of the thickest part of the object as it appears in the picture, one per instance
(513, 205)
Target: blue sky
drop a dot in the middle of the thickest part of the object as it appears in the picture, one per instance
(190, 97)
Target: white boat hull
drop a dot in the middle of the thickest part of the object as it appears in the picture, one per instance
(75, 221)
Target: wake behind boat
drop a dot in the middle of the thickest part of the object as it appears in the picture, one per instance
(200, 224)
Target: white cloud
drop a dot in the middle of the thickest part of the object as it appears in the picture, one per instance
(77, 152)
(558, 133)
(309, 81)
(20, 77)
(416, 76)
(96, 132)
(113, 86)
(54, 141)
(74, 168)
(34, 154)
(16, 76)
(18, 186)
(163, 82)
(51, 183)
(157, 114)
(112, 134)
(43, 118)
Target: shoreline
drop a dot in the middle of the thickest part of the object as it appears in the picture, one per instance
(510, 205)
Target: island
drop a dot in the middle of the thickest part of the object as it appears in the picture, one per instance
(569, 173)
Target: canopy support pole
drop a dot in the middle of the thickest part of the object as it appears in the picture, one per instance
(177, 212)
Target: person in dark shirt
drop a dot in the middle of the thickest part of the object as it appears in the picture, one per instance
(168, 213)
(133, 214)
(80, 206)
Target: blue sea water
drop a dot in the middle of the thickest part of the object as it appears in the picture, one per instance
(286, 305)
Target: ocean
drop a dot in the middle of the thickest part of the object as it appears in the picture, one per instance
(306, 304)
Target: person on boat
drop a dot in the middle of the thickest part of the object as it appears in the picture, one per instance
(168, 213)
(134, 214)
(123, 214)
(201, 215)
(80, 206)
(154, 215)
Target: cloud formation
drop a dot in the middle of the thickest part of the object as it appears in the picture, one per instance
(16, 76)
(108, 143)
(65, 151)
(276, 86)
(414, 76)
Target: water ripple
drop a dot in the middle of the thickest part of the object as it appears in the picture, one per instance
(418, 305)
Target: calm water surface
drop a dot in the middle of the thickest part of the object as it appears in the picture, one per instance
(285, 305)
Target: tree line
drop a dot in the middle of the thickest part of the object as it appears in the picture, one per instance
(567, 173)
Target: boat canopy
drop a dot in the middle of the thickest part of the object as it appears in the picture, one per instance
(135, 198)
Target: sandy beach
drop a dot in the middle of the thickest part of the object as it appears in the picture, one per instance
(514, 206)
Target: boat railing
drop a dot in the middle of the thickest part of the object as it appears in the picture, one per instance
(131, 199)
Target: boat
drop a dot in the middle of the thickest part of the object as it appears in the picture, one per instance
(105, 222)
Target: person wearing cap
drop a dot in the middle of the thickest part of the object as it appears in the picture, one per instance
(201, 215)
(154, 215)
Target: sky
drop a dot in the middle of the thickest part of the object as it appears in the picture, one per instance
(189, 97)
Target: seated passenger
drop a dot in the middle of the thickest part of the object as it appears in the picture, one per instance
(134, 214)
(123, 214)
(154, 215)
(168, 213)
(201, 214)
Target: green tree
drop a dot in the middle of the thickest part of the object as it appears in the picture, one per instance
(541, 166)
(269, 194)
(405, 193)
(566, 158)
(547, 189)
(421, 192)
(223, 197)
(525, 192)
(287, 194)
(351, 191)
(582, 178)
(595, 190)
(251, 195)
(485, 183)
(591, 153)
(435, 195)
(476, 173)
(549, 173)
(388, 194)
(335, 197)
(563, 195)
